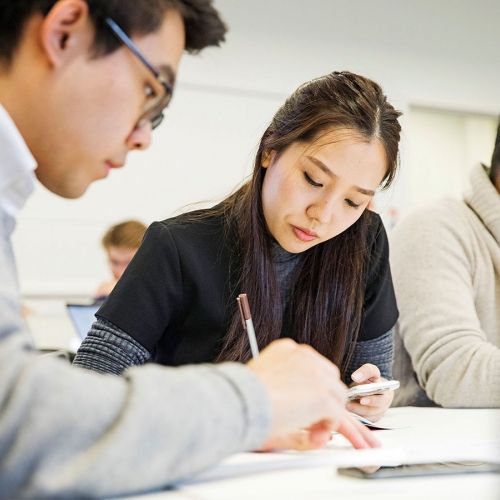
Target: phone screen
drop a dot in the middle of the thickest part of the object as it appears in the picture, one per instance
(411, 470)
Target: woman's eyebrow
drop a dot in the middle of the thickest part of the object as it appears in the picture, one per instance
(327, 171)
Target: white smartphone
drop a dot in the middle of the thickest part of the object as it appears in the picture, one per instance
(358, 391)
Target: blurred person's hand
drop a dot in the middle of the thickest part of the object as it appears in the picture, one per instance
(308, 399)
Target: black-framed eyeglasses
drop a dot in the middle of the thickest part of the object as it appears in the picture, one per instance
(153, 110)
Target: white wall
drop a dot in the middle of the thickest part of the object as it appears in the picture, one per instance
(434, 54)
(442, 149)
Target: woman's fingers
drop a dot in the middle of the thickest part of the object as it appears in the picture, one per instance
(366, 374)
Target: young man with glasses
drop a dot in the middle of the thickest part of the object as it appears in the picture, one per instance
(82, 83)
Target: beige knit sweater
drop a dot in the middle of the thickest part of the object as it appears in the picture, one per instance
(446, 269)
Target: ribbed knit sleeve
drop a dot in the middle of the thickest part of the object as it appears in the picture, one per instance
(107, 349)
(379, 352)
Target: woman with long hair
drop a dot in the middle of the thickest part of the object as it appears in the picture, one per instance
(297, 238)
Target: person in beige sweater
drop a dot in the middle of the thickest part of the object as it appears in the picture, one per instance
(446, 270)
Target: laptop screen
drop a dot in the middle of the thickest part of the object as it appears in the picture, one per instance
(82, 316)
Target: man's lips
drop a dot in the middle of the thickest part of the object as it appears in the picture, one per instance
(112, 164)
(304, 234)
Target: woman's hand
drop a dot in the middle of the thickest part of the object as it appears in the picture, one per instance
(372, 407)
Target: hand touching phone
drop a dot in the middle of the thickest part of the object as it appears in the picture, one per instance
(369, 403)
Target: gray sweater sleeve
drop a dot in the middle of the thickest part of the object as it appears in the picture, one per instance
(67, 432)
(379, 352)
(71, 433)
(108, 349)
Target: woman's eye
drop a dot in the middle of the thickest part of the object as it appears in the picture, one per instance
(351, 204)
(311, 181)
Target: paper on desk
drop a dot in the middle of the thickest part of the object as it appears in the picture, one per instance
(424, 436)
(374, 426)
(254, 463)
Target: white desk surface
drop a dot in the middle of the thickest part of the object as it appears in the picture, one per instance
(312, 475)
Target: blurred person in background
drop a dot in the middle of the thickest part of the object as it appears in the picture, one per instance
(446, 267)
(120, 242)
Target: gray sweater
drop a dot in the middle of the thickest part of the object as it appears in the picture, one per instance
(446, 269)
(67, 432)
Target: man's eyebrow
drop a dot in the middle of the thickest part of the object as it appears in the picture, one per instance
(327, 171)
(167, 72)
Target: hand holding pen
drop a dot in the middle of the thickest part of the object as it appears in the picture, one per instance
(307, 399)
(303, 418)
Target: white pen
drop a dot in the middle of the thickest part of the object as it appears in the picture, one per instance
(246, 319)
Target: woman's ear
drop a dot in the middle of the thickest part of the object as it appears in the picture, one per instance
(66, 31)
(268, 157)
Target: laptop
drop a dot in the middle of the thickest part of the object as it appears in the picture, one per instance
(82, 316)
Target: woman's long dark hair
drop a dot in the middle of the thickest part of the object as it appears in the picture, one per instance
(328, 294)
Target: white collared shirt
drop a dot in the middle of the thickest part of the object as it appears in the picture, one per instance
(17, 165)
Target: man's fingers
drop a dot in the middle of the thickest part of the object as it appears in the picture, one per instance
(305, 439)
(357, 434)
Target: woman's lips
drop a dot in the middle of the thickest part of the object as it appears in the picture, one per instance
(304, 234)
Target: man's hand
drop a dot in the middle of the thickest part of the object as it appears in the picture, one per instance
(307, 398)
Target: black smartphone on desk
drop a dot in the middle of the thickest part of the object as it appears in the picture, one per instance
(414, 470)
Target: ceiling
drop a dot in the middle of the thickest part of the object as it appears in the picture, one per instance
(450, 28)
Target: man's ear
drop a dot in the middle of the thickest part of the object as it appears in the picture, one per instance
(268, 158)
(66, 31)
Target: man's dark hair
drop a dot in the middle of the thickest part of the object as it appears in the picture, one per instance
(202, 22)
(495, 159)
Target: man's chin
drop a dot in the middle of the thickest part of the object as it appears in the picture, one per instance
(73, 195)
(70, 192)
(66, 184)
(77, 190)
